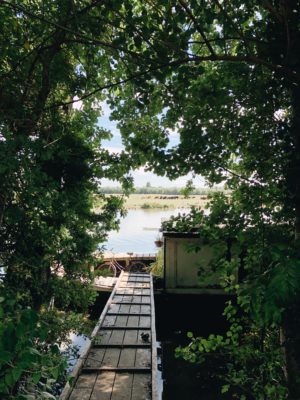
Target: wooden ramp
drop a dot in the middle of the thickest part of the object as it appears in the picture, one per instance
(121, 361)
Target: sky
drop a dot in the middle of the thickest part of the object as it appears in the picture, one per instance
(140, 176)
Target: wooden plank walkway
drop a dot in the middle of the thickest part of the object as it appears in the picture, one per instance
(121, 362)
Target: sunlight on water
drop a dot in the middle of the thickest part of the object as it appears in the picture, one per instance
(138, 230)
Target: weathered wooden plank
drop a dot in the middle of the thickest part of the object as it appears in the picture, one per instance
(124, 291)
(141, 387)
(130, 337)
(133, 320)
(140, 278)
(103, 336)
(135, 309)
(146, 299)
(122, 387)
(129, 314)
(146, 309)
(133, 370)
(121, 320)
(133, 291)
(145, 321)
(135, 285)
(136, 279)
(81, 394)
(115, 308)
(143, 358)
(127, 327)
(117, 299)
(117, 337)
(109, 320)
(121, 346)
(133, 294)
(111, 358)
(127, 358)
(95, 358)
(124, 308)
(139, 291)
(86, 381)
(103, 386)
(135, 303)
(136, 299)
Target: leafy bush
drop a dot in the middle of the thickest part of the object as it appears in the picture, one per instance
(262, 254)
(29, 365)
(157, 267)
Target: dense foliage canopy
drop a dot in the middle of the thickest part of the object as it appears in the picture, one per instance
(51, 165)
(223, 75)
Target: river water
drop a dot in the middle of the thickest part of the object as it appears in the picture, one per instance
(138, 230)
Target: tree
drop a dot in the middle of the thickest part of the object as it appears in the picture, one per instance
(51, 165)
(51, 157)
(188, 189)
(226, 77)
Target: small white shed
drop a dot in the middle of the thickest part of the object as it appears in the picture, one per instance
(185, 256)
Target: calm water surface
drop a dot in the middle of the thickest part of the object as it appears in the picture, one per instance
(138, 230)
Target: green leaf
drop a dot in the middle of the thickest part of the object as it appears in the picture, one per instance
(17, 372)
(71, 380)
(9, 379)
(55, 372)
(36, 377)
(225, 388)
(5, 357)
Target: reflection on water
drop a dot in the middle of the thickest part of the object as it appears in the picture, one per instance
(175, 315)
(74, 348)
(138, 230)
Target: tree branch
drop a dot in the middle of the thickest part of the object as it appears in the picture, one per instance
(121, 82)
(197, 26)
(292, 75)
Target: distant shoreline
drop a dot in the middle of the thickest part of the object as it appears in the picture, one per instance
(163, 202)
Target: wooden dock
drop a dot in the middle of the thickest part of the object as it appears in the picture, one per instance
(120, 363)
(126, 258)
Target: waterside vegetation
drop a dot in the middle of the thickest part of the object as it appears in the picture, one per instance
(158, 201)
(225, 76)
